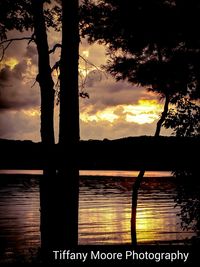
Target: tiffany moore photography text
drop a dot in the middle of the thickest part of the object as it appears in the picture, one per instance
(68, 255)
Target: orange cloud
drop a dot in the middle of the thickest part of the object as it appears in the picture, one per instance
(145, 111)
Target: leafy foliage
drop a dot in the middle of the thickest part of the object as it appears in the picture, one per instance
(184, 119)
(53, 15)
(17, 15)
(188, 199)
(149, 42)
(117, 23)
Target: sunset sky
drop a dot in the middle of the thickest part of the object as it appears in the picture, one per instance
(114, 109)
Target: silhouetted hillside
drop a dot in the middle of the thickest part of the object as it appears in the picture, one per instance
(125, 153)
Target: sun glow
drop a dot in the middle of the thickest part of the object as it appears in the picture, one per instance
(11, 62)
(32, 112)
(86, 53)
(141, 118)
(145, 111)
(103, 115)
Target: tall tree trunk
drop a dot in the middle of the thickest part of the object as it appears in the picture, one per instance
(48, 231)
(69, 122)
(137, 183)
(69, 100)
(44, 74)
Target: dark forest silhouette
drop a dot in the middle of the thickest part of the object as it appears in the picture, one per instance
(147, 152)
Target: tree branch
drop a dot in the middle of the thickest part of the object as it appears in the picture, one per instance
(85, 77)
(90, 63)
(16, 39)
(6, 43)
(54, 48)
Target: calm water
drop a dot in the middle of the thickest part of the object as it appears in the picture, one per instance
(104, 213)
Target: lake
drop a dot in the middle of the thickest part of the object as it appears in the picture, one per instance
(104, 210)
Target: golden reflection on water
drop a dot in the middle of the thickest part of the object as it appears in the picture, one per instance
(157, 226)
(105, 213)
(105, 223)
(145, 224)
(110, 224)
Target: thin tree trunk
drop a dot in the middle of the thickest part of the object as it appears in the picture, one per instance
(163, 116)
(140, 176)
(135, 189)
(48, 231)
(69, 122)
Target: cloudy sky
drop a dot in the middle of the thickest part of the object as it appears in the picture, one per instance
(113, 110)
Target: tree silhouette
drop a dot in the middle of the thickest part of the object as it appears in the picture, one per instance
(68, 172)
(187, 198)
(184, 119)
(44, 77)
(15, 15)
(161, 58)
(164, 59)
(24, 15)
(58, 193)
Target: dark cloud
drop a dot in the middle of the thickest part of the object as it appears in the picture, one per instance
(18, 125)
(17, 96)
(17, 48)
(31, 53)
(107, 93)
(4, 76)
(16, 90)
(15, 93)
(19, 70)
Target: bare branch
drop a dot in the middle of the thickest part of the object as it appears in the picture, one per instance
(32, 39)
(56, 66)
(3, 52)
(83, 94)
(16, 39)
(54, 48)
(6, 43)
(33, 84)
(84, 77)
(90, 63)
